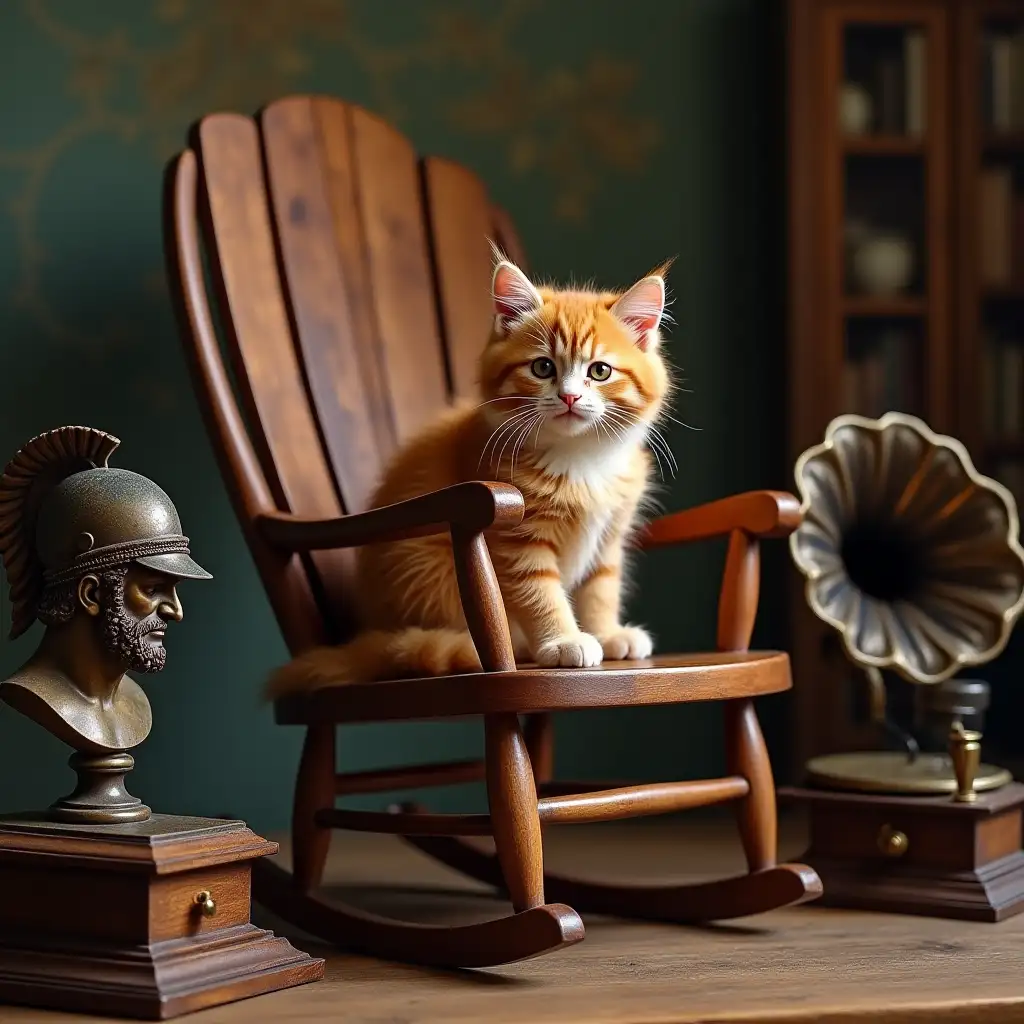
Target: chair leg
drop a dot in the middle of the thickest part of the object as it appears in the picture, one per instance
(765, 886)
(539, 732)
(747, 755)
(535, 928)
(314, 790)
(512, 795)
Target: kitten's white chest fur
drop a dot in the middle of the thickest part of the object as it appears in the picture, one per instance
(591, 462)
(579, 559)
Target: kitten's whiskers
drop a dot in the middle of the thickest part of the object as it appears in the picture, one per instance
(507, 424)
(517, 447)
(653, 436)
(514, 434)
(620, 433)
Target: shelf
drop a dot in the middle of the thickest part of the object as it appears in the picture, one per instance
(883, 145)
(885, 305)
(1004, 142)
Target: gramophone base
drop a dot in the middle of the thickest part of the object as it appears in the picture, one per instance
(108, 919)
(929, 856)
(879, 771)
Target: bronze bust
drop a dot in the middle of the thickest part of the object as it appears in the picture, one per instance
(95, 553)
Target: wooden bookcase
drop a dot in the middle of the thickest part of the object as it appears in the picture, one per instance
(906, 261)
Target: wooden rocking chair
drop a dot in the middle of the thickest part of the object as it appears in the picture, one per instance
(353, 283)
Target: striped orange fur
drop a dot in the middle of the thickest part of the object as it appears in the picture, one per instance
(572, 384)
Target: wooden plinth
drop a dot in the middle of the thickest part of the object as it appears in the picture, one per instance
(961, 860)
(104, 918)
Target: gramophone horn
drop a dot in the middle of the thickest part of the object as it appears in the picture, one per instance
(912, 556)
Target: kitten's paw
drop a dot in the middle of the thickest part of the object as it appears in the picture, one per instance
(579, 650)
(627, 643)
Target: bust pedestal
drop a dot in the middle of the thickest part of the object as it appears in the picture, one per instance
(146, 919)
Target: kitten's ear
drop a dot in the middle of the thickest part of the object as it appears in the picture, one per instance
(641, 310)
(514, 295)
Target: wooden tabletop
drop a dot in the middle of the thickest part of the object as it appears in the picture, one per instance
(800, 965)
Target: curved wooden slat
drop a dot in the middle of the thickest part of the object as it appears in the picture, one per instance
(664, 679)
(400, 277)
(185, 266)
(340, 366)
(487, 944)
(284, 577)
(244, 270)
(695, 903)
(460, 229)
(341, 178)
(259, 332)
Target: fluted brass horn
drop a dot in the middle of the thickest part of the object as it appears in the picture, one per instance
(914, 558)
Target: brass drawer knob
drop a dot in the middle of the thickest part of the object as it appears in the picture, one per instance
(205, 903)
(892, 842)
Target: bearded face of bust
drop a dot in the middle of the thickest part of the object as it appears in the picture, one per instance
(132, 606)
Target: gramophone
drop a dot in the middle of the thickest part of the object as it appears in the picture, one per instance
(913, 557)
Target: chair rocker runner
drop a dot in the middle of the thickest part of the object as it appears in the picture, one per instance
(338, 257)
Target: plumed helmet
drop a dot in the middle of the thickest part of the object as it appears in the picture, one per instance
(64, 513)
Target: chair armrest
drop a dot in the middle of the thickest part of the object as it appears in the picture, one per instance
(743, 518)
(756, 513)
(466, 509)
(469, 507)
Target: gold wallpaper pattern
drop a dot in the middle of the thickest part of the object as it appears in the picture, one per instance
(571, 126)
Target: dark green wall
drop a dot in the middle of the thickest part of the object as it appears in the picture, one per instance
(97, 95)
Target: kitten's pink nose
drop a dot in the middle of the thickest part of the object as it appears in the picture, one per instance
(569, 399)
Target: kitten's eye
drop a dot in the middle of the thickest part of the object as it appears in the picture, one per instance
(542, 368)
(599, 371)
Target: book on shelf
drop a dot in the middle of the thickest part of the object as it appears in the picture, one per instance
(915, 81)
(1003, 385)
(1000, 229)
(889, 95)
(881, 378)
(900, 88)
(1003, 80)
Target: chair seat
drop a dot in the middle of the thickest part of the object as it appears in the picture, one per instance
(663, 679)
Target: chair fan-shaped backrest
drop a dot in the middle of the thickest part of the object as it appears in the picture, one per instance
(351, 279)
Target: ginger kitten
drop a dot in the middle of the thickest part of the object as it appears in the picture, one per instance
(571, 386)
